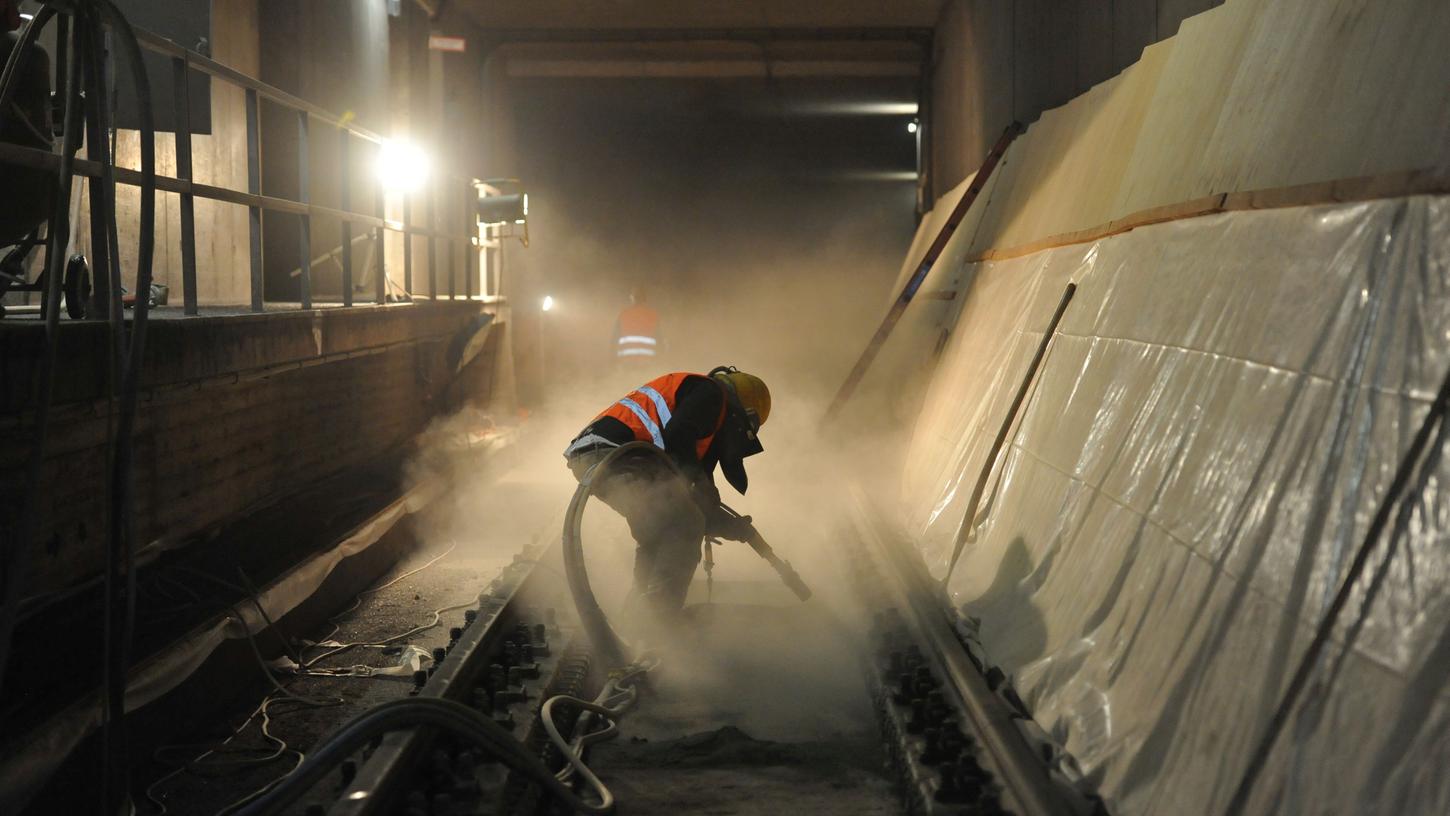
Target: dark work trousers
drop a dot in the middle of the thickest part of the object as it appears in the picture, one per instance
(667, 525)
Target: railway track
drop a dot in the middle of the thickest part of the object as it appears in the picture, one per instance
(955, 740)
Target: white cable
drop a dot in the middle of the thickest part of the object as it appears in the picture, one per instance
(617, 697)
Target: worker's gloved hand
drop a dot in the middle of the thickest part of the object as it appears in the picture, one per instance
(707, 495)
(734, 528)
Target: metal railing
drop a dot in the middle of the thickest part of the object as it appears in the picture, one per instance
(183, 61)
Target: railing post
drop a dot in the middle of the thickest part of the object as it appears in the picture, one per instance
(254, 186)
(408, 244)
(344, 176)
(182, 99)
(304, 232)
(433, 245)
(380, 282)
(470, 229)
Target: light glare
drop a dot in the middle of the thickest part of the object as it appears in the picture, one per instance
(402, 167)
(548, 304)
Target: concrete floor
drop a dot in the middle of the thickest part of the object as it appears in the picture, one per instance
(756, 709)
(489, 519)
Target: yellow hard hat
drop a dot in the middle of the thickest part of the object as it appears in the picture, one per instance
(749, 389)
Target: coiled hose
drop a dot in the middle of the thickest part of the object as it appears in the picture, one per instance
(445, 715)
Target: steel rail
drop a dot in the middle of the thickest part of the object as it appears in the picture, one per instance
(907, 582)
(383, 779)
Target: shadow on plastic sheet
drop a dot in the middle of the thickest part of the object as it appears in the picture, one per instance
(1011, 621)
(1261, 503)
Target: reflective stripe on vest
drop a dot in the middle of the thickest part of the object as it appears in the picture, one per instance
(661, 407)
(647, 410)
(588, 441)
(638, 329)
(649, 424)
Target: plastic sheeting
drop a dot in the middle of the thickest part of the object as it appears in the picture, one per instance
(1210, 434)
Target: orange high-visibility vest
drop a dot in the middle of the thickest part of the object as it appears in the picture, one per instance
(639, 332)
(647, 410)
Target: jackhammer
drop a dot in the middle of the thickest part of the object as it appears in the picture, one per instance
(592, 618)
(782, 567)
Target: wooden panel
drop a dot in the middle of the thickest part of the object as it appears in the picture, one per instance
(1235, 103)
(1358, 89)
(218, 159)
(1184, 117)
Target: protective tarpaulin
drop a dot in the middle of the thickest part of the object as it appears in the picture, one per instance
(1209, 436)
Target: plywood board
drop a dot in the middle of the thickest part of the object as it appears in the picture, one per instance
(1188, 108)
(1251, 95)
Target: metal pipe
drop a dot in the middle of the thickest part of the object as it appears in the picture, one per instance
(933, 253)
(966, 525)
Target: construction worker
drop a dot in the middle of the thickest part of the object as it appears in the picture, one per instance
(699, 420)
(637, 330)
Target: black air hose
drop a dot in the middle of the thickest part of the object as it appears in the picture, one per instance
(596, 626)
(15, 559)
(446, 715)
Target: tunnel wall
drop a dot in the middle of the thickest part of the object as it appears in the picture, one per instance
(235, 412)
(996, 61)
(1255, 215)
(327, 54)
(218, 158)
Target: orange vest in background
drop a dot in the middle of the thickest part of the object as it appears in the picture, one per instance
(647, 410)
(639, 332)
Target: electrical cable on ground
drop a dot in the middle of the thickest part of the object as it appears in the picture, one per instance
(618, 696)
(444, 715)
(280, 694)
(358, 600)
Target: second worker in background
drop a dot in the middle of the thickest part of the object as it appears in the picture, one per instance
(700, 420)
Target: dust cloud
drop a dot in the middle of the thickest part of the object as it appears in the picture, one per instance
(762, 241)
(763, 246)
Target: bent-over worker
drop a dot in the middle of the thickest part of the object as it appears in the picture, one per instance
(700, 420)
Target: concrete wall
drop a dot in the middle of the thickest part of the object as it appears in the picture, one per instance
(218, 158)
(335, 54)
(234, 411)
(997, 61)
(348, 58)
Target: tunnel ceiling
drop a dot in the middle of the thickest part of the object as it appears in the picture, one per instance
(762, 39)
(700, 14)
